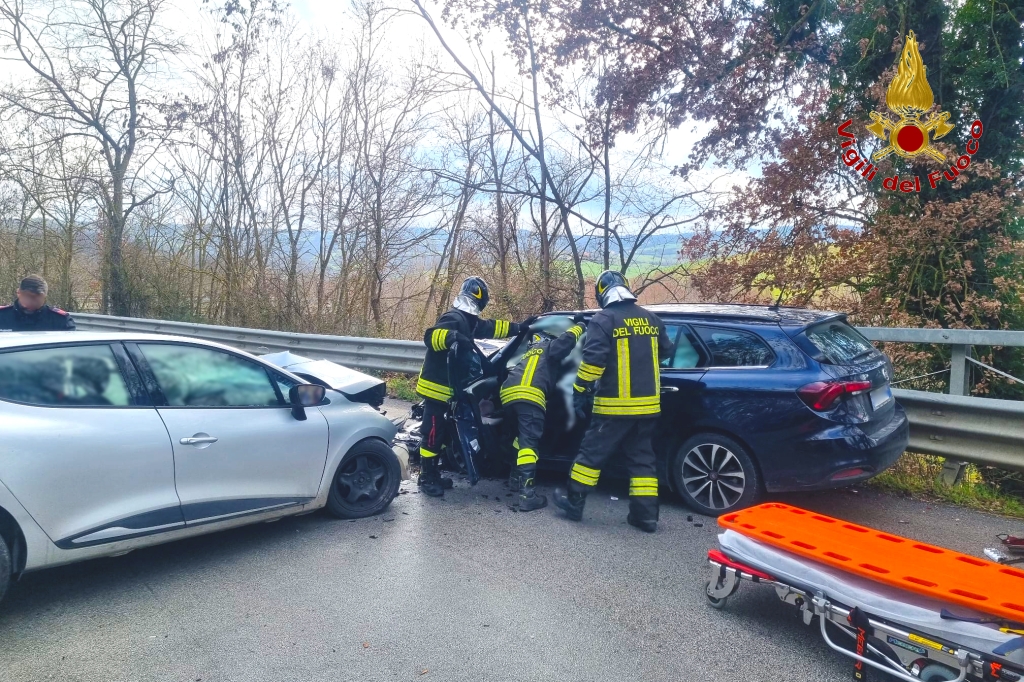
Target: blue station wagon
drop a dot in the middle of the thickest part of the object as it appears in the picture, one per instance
(755, 400)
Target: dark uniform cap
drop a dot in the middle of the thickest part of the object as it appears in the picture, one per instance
(33, 284)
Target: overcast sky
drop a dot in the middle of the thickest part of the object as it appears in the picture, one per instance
(408, 34)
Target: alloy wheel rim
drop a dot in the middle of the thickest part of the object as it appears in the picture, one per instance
(362, 480)
(713, 476)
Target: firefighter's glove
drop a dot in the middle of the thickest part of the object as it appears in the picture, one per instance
(580, 318)
(581, 403)
(463, 341)
(528, 322)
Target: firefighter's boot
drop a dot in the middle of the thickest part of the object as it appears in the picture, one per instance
(643, 503)
(570, 502)
(430, 481)
(529, 499)
(646, 525)
(446, 483)
(514, 482)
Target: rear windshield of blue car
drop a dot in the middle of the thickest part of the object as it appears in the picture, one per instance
(840, 343)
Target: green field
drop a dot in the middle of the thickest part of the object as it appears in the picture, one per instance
(640, 266)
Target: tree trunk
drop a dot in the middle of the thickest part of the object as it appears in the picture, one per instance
(118, 296)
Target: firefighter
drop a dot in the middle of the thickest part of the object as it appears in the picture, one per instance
(461, 324)
(620, 378)
(524, 395)
(29, 312)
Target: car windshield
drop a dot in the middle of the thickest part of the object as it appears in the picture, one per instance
(839, 342)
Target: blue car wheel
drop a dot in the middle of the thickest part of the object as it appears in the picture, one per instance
(715, 475)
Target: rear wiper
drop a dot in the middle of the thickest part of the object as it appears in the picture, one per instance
(869, 351)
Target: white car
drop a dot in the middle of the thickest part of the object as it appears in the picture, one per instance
(112, 441)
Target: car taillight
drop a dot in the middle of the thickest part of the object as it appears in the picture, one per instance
(821, 395)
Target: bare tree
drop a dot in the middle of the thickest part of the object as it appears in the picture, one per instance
(391, 121)
(92, 66)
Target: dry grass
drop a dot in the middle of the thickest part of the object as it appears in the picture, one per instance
(919, 476)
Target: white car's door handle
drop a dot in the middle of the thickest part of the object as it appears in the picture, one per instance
(669, 389)
(199, 440)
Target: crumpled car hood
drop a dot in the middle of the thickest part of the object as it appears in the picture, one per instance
(353, 384)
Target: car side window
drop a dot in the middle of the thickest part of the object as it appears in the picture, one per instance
(734, 348)
(192, 376)
(687, 354)
(70, 376)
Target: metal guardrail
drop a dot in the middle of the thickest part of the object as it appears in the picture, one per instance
(958, 427)
(961, 340)
(386, 355)
(965, 429)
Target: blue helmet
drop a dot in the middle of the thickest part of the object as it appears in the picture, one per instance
(473, 296)
(540, 337)
(611, 287)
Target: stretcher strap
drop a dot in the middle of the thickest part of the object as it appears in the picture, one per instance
(1009, 646)
(995, 671)
(859, 620)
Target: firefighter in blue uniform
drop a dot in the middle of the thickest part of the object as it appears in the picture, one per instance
(459, 325)
(29, 312)
(524, 397)
(620, 377)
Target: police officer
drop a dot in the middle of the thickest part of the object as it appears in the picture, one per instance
(29, 312)
(620, 377)
(461, 324)
(524, 396)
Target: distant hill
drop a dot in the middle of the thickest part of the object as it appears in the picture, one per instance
(660, 250)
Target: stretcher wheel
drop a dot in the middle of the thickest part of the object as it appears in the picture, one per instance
(936, 672)
(717, 602)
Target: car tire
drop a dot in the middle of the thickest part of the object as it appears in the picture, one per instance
(5, 566)
(715, 475)
(365, 482)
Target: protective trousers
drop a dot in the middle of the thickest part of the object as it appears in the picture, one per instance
(529, 419)
(433, 435)
(605, 437)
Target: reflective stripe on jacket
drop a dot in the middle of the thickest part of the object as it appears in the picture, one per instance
(532, 377)
(622, 357)
(433, 379)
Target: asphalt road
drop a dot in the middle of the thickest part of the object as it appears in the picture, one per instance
(460, 589)
(454, 589)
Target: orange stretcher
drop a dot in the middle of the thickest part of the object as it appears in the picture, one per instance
(914, 566)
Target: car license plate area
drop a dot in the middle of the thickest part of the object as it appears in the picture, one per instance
(880, 397)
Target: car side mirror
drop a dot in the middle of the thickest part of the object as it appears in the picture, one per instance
(303, 396)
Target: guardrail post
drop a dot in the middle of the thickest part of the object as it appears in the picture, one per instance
(959, 371)
(959, 384)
